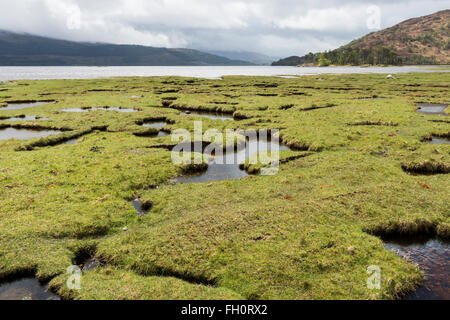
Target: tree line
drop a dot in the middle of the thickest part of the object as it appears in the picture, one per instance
(355, 56)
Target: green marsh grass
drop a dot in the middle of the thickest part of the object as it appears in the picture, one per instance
(358, 169)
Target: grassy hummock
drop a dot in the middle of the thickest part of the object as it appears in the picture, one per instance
(359, 169)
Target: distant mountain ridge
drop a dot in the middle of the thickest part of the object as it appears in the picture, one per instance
(18, 49)
(423, 40)
(253, 57)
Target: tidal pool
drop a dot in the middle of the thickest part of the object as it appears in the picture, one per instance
(91, 264)
(71, 141)
(433, 258)
(24, 134)
(226, 166)
(17, 106)
(157, 125)
(439, 141)
(162, 134)
(126, 110)
(75, 110)
(209, 115)
(428, 108)
(142, 209)
(26, 289)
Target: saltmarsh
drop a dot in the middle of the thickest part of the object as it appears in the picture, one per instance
(359, 167)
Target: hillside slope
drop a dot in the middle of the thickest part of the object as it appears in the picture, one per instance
(426, 36)
(423, 40)
(29, 50)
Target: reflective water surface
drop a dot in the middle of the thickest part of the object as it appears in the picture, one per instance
(427, 108)
(26, 118)
(24, 134)
(26, 289)
(141, 208)
(18, 106)
(433, 258)
(209, 115)
(439, 141)
(157, 125)
(211, 72)
(226, 166)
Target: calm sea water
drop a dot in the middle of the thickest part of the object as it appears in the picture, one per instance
(37, 73)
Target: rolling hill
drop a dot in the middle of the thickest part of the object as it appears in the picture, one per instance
(423, 40)
(29, 50)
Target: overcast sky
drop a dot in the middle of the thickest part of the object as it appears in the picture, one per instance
(278, 28)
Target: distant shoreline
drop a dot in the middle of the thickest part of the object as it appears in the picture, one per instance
(12, 73)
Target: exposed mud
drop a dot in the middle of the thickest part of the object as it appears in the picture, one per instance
(142, 208)
(26, 118)
(125, 110)
(85, 258)
(426, 167)
(314, 107)
(286, 107)
(267, 94)
(91, 264)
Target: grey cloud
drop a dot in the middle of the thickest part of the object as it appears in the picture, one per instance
(281, 28)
